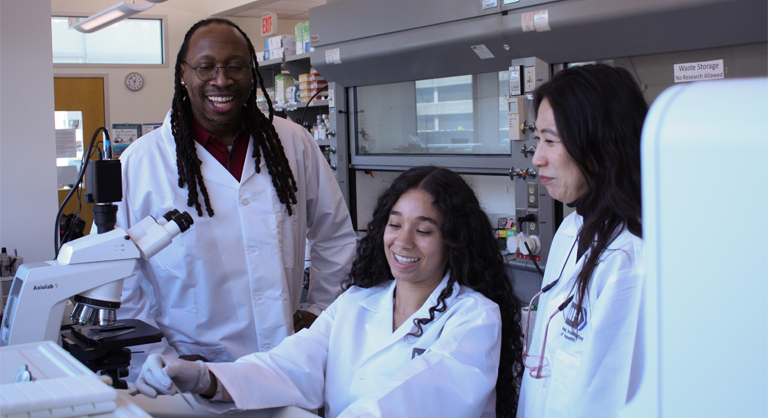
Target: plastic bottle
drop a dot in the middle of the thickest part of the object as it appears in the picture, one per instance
(327, 125)
(3, 262)
(316, 129)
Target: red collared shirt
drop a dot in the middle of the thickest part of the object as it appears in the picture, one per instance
(233, 160)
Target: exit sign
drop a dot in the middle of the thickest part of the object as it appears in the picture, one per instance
(268, 24)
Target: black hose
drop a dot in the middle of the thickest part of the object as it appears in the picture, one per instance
(83, 166)
(301, 121)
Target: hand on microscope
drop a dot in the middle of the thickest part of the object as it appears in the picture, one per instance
(164, 374)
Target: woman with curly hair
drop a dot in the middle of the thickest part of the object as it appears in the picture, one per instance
(428, 324)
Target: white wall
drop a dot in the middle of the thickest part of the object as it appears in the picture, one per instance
(152, 102)
(28, 198)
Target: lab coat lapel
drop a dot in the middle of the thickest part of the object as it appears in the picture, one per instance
(249, 168)
(379, 328)
(212, 169)
(573, 266)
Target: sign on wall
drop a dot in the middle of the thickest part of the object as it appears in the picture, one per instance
(697, 71)
(268, 24)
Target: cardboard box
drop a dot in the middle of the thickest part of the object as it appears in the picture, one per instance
(283, 81)
(282, 41)
(306, 36)
(299, 30)
(281, 52)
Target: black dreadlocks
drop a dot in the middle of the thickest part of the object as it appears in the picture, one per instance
(265, 138)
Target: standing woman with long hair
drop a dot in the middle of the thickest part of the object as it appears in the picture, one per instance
(428, 324)
(582, 360)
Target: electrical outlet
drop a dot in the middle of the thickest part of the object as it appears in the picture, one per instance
(533, 195)
(529, 79)
(532, 227)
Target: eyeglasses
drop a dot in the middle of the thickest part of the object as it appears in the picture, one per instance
(207, 72)
(539, 365)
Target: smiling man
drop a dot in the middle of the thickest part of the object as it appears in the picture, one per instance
(259, 187)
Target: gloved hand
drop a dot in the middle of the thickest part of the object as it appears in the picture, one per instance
(158, 371)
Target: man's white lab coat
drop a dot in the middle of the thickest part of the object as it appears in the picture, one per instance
(229, 285)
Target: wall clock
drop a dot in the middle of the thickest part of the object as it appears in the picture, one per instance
(134, 81)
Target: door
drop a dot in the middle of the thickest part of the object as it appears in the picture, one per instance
(86, 95)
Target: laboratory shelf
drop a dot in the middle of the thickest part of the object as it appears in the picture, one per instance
(299, 105)
(297, 57)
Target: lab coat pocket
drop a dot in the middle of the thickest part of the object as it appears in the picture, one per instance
(564, 370)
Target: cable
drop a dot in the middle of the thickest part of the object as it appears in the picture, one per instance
(83, 166)
(533, 258)
(310, 101)
(529, 218)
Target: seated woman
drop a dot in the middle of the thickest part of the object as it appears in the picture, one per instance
(583, 359)
(427, 326)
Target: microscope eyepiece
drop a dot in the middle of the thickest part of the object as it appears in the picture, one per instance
(171, 214)
(183, 220)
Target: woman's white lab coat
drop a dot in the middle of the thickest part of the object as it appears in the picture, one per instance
(351, 361)
(229, 285)
(594, 362)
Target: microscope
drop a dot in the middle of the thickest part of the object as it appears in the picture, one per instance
(90, 270)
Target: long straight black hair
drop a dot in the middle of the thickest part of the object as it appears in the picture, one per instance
(474, 260)
(599, 112)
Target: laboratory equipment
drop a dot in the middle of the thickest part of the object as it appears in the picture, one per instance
(41, 379)
(90, 270)
(8, 265)
(705, 355)
(61, 387)
(536, 212)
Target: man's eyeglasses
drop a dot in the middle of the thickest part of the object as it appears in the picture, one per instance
(207, 72)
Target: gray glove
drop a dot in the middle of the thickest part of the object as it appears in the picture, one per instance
(158, 372)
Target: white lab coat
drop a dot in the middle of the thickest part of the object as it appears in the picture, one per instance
(595, 366)
(352, 362)
(229, 285)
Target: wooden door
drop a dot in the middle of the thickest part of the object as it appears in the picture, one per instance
(87, 96)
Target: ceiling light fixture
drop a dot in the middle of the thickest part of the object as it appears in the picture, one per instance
(111, 16)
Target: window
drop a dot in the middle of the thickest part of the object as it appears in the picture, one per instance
(131, 41)
(462, 115)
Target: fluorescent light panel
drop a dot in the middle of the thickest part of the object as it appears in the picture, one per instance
(110, 16)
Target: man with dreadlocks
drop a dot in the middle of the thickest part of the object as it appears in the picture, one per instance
(259, 187)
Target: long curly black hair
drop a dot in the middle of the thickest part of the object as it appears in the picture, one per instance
(599, 112)
(263, 133)
(474, 260)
